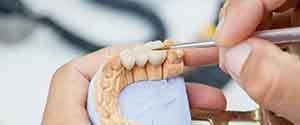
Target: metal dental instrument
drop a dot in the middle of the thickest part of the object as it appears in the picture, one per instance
(276, 36)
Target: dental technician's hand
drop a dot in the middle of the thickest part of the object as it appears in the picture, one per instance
(66, 104)
(269, 75)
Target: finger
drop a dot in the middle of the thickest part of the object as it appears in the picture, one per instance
(295, 22)
(69, 86)
(271, 5)
(200, 56)
(266, 22)
(267, 74)
(202, 96)
(282, 18)
(276, 20)
(295, 17)
(89, 64)
(67, 98)
(237, 23)
(287, 5)
(68, 91)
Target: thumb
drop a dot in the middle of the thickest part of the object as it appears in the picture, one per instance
(240, 18)
(269, 75)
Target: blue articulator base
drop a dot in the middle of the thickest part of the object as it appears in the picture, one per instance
(161, 102)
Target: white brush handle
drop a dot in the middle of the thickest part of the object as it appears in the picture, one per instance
(276, 36)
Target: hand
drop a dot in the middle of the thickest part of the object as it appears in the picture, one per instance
(269, 75)
(67, 97)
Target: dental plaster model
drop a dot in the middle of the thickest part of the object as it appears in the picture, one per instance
(131, 65)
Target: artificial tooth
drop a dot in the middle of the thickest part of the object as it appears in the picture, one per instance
(141, 55)
(154, 44)
(127, 59)
(157, 57)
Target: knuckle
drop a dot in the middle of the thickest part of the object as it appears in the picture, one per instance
(271, 5)
(62, 71)
(268, 75)
(287, 5)
(71, 67)
(261, 71)
(262, 80)
(268, 80)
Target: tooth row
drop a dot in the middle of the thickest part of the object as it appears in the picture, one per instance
(142, 54)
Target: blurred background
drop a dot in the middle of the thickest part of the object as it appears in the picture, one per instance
(38, 36)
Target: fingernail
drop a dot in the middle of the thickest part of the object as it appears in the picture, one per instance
(222, 58)
(219, 28)
(229, 32)
(221, 21)
(224, 9)
(234, 58)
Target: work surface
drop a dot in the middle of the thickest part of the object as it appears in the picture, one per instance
(27, 66)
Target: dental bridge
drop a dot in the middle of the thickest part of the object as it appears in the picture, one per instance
(142, 63)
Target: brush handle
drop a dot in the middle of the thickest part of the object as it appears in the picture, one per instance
(280, 36)
(276, 36)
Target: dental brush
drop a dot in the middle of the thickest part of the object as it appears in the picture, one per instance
(276, 36)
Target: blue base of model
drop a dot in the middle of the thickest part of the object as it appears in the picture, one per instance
(162, 102)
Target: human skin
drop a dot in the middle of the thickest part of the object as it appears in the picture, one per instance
(268, 74)
(66, 102)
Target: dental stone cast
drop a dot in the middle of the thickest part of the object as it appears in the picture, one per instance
(113, 76)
